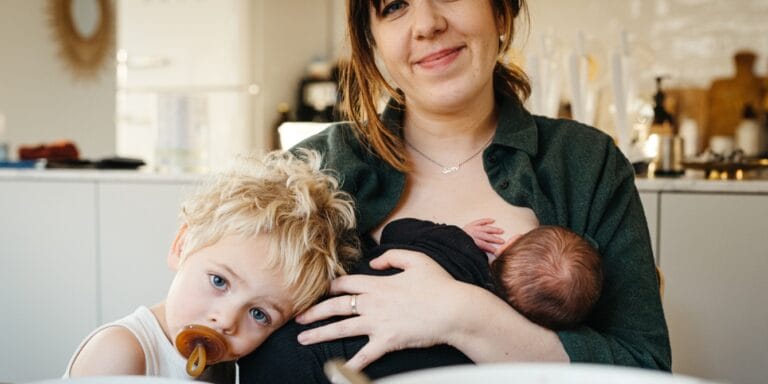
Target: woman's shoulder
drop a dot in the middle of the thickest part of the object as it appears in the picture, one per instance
(345, 155)
(566, 131)
(340, 148)
(337, 136)
(581, 143)
(569, 150)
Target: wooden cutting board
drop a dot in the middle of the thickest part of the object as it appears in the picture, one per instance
(727, 96)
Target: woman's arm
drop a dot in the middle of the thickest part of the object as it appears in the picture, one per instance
(626, 326)
(495, 332)
(424, 306)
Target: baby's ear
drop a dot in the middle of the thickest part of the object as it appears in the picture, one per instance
(507, 244)
(174, 254)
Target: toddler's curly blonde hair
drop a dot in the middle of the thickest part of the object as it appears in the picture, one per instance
(309, 222)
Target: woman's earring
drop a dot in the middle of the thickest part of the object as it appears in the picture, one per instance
(502, 37)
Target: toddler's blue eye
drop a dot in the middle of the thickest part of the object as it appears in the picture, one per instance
(218, 281)
(260, 316)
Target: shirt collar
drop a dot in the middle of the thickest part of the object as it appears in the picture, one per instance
(516, 127)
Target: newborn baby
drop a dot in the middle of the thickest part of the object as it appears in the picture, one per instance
(551, 275)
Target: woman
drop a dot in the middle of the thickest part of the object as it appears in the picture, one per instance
(453, 145)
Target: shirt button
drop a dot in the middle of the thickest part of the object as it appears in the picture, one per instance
(504, 184)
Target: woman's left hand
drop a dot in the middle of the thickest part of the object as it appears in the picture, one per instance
(412, 309)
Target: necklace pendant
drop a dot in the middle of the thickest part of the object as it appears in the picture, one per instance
(449, 170)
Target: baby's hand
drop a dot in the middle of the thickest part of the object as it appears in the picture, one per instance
(484, 234)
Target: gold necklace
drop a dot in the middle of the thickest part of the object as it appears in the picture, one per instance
(447, 170)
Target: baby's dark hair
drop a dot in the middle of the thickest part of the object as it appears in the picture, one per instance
(551, 275)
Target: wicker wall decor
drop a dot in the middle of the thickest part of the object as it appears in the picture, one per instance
(84, 56)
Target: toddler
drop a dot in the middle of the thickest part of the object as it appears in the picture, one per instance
(256, 246)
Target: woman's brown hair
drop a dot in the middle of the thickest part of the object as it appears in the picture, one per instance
(362, 83)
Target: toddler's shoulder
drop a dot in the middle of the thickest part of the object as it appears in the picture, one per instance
(113, 350)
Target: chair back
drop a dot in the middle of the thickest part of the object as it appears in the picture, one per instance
(293, 132)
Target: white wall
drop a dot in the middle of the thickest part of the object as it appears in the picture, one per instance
(693, 41)
(41, 100)
(293, 33)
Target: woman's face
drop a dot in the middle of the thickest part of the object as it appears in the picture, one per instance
(440, 53)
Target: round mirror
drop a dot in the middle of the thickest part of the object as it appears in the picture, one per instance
(85, 17)
(85, 33)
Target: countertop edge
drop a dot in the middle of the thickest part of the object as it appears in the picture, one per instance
(701, 185)
(93, 175)
(682, 184)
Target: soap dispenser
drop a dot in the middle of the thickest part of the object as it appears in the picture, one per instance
(663, 122)
(669, 156)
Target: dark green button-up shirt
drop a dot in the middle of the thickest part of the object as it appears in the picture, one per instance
(570, 175)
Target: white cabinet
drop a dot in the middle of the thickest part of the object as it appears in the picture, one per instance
(49, 275)
(76, 254)
(714, 253)
(137, 223)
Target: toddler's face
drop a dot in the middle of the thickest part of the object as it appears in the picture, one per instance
(229, 288)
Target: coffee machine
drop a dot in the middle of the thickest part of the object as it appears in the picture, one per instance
(318, 94)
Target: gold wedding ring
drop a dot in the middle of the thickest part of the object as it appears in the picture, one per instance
(353, 304)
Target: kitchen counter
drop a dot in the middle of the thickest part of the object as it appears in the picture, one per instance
(98, 175)
(682, 184)
(696, 184)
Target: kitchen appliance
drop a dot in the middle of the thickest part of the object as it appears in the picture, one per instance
(318, 94)
(670, 157)
(670, 145)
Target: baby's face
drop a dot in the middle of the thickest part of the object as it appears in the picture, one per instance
(228, 287)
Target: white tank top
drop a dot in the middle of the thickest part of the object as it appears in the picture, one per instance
(160, 356)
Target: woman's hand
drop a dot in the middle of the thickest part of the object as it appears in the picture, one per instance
(411, 309)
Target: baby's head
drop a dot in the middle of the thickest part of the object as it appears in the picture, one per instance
(258, 245)
(551, 275)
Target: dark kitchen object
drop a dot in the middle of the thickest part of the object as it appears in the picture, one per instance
(119, 163)
(105, 163)
(641, 167)
(69, 164)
